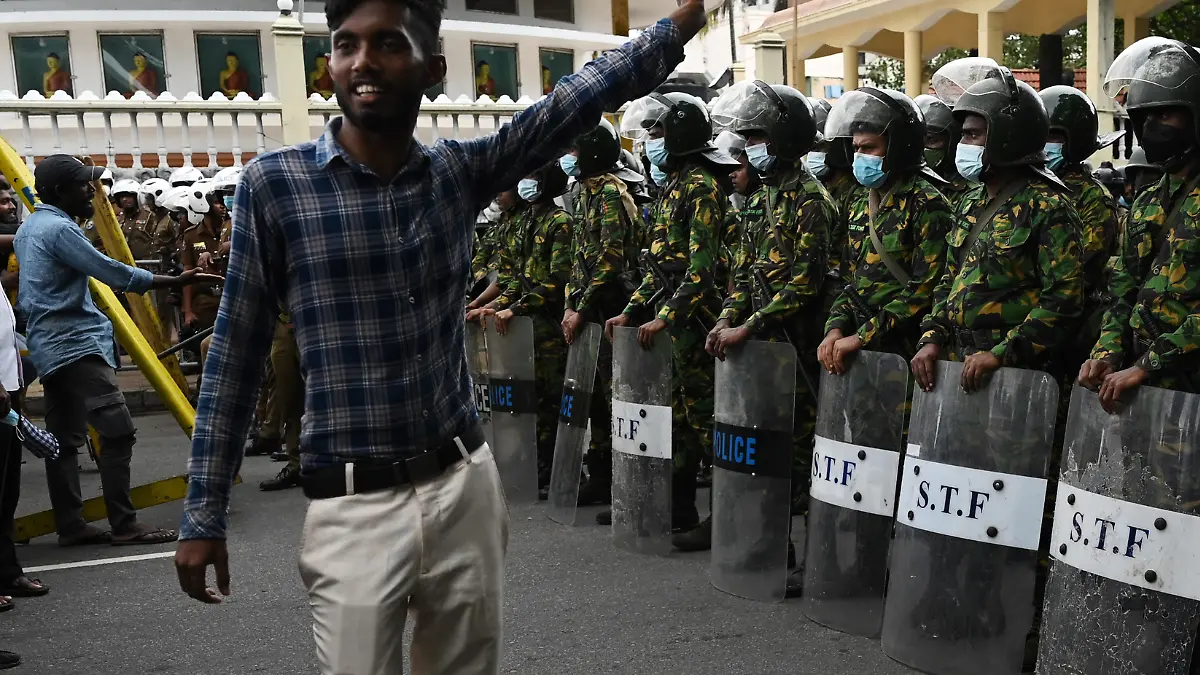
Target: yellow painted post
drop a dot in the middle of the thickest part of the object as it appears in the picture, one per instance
(620, 17)
(849, 68)
(991, 35)
(290, 79)
(1136, 28)
(914, 65)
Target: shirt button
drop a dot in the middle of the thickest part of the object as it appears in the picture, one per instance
(419, 357)
(412, 300)
(424, 413)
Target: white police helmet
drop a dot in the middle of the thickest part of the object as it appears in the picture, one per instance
(185, 176)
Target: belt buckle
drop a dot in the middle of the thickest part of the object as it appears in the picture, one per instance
(424, 466)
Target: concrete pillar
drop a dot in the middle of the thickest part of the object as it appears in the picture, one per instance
(849, 68)
(287, 34)
(991, 35)
(620, 17)
(799, 78)
(914, 65)
(739, 72)
(769, 58)
(1101, 21)
(1136, 28)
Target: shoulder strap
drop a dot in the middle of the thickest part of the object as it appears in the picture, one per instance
(889, 261)
(989, 212)
(775, 233)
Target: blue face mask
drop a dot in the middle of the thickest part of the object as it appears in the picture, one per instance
(1123, 202)
(659, 176)
(968, 159)
(760, 158)
(656, 151)
(868, 170)
(569, 164)
(816, 164)
(529, 189)
(229, 203)
(1054, 156)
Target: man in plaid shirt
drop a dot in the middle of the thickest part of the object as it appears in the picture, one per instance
(365, 235)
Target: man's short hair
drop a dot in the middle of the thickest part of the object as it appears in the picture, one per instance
(4, 183)
(427, 11)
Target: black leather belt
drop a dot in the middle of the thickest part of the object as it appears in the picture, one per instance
(372, 476)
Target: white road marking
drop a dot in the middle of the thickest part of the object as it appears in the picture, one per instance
(100, 561)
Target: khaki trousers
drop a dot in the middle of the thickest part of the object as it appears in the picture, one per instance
(434, 550)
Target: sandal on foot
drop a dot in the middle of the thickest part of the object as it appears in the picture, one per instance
(24, 587)
(146, 536)
(86, 536)
(6, 603)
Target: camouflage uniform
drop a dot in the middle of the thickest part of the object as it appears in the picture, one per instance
(844, 190)
(803, 211)
(603, 247)
(957, 189)
(1019, 290)
(685, 244)
(1154, 319)
(534, 265)
(1098, 217)
(487, 252)
(913, 220)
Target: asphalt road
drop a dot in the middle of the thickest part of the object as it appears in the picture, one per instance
(574, 604)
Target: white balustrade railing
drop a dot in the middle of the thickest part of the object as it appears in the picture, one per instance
(150, 136)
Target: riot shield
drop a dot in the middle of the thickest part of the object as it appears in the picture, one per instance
(477, 368)
(571, 440)
(641, 440)
(964, 558)
(755, 396)
(1124, 589)
(855, 469)
(514, 408)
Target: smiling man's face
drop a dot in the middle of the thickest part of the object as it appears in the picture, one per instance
(382, 62)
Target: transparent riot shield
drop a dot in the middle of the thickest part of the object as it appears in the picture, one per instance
(755, 394)
(855, 469)
(1123, 595)
(641, 440)
(571, 440)
(514, 408)
(477, 368)
(960, 597)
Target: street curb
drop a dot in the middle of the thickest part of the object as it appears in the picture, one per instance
(139, 402)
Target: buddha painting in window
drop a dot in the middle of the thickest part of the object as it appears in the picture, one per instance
(43, 64)
(234, 79)
(56, 77)
(229, 65)
(484, 84)
(145, 76)
(133, 62)
(319, 79)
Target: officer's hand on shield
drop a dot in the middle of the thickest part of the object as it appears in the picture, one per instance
(570, 325)
(976, 369)
(618, 320)
(481, 314)
(924, 366)
(710, 342)
(842, 349)
(502, 318)
(825, 349)
(1093, 372)
(648, 330)
(730, 337)
(1116, 384)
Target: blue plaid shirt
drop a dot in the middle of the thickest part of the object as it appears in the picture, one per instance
(374, 274)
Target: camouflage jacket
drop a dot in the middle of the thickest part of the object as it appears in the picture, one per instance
(686, 242)
(1156, 282)
(1098, 216)
(844, 189)
(487, 245)
(604, 244)
(536, 262)
(957, 189)
(1021, 282)
(804, 212)
(912, 223)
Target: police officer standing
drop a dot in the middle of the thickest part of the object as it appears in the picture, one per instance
(134, 219)
(897, 231)
(604, 249)
(1013, 286)
(488, 244)
(1151, 332)
(942, 134)
(533, 269)
(781, 257)
(684, 247)
(829, 161)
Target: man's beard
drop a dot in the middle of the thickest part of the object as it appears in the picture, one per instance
(374, 121)
(9, 224)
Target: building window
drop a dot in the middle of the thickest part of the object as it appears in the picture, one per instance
(229, 63)
(497, 6)
(495, 70)
(43, 64)
(555, 10)
(133, 63)
(556, 64)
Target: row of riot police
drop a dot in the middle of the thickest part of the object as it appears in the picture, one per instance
(960, 237)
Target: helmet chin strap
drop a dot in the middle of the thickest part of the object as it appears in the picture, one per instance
(1181, 160)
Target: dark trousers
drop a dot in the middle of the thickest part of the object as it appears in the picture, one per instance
(81, 393)
(10, 494)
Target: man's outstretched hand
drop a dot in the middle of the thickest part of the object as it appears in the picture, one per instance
(689, 18)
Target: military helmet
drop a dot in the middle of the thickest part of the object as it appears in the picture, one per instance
(885, 112)
(938, 117)
(1156, 72)
(732, 143)
(683, 118)
(1073, 113)
(820, 108)
(1139, 172)
(552, 181)
(780, 112)
(1017, 120)
(952, 80)
(598, 149)
(837, 151)
(1137, 161)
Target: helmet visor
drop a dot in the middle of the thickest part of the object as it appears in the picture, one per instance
(1155, 60)
(744, 106)
(857, 112)
(731, 144)
(641, 115)
(953, 79)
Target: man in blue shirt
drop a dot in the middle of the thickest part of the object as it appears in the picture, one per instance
(71, 345)
(365, 236)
